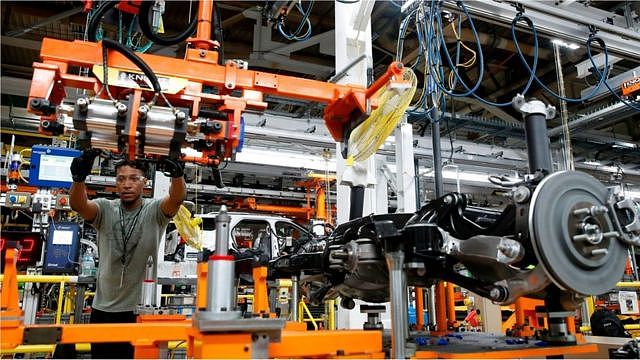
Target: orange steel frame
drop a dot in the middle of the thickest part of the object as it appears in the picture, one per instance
(346, 104)
(157, 330)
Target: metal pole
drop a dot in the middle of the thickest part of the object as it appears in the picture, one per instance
(397, 278)
(437, 158)
(416, 178)
(222, 232)
(431, 306)
(564, 115)
(221, 295)
(293, 305)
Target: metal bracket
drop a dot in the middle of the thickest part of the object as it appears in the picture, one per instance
(533, 106)
(44, 335)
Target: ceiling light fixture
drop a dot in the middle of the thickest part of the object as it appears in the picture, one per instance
(565, 44)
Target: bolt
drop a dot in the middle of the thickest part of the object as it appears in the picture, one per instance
(340, 255)
(447, 199)
(599, 252)
(581, 237)
(509, 250)
(591, 227)
(122, 108)
(82, 104)
(582, 211)
(521, 194)
(203, 53)
(142, 111)
(598, 210)
(613, 234)
(495, 294)
(180, 117)
(229, 85)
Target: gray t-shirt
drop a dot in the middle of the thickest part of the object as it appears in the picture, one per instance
(145, 236)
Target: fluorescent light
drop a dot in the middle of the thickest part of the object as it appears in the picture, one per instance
(565, 44)
(462, 175)
(632, 194)
(285, 159)
(277, 158)
(466, 176)
(592, 163)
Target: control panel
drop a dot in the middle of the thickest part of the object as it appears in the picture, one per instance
(42, 198)
(18, 200)
(62, 202)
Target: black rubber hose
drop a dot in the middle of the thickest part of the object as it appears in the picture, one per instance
(129, 54)
(97, 17)
(143, 21)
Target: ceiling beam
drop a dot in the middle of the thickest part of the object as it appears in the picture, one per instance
(49, 20)
(21, 43)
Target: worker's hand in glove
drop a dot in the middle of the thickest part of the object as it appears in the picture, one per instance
(172, 168)
(81, 166)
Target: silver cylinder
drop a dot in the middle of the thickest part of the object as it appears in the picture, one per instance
(148, 294)
(558, 329)
(431, 305)
(293, 304)
(405, 304)
(222, 232)
(397, 278)
(148, 297)
(220, 286)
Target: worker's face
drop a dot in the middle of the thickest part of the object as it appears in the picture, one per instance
(129, 183)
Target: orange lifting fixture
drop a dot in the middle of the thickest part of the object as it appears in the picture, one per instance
(190, 82)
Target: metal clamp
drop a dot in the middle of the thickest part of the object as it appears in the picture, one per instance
(533, 106)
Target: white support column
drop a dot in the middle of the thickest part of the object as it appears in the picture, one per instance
(382, 195)
(161, 186)
(352, 39)
(405, 169)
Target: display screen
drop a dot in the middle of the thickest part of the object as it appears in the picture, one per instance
(55, 168)
(29, 244)
(50, 166)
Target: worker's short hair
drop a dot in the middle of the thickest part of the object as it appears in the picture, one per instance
(136, 164)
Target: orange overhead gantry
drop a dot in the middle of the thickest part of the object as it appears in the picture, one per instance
(197, 83)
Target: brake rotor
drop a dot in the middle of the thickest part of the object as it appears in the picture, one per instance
(572, 234)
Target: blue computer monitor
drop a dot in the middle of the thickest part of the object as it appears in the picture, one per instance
(50, 166)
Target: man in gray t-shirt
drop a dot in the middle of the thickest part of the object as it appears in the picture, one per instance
(129, 231)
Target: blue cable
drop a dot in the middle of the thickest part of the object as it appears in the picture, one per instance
(604, 49)
(578, 100)
(518, 17)
(448, 57)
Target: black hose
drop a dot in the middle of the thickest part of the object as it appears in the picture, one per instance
(96, 17)
(129, 54)
(218, 32)
(143, 21)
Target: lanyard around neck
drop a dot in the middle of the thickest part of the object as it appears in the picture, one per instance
(126, 235)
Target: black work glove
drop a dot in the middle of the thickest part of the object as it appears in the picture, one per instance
(81, 166)
(172, 168)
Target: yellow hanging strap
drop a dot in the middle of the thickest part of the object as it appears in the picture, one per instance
(393, 100)
(189, 227)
